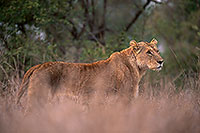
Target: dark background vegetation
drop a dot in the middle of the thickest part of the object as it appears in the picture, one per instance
(37, 31)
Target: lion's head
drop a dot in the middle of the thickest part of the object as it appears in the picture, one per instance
(147, 55)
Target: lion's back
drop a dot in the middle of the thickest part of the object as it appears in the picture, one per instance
(67, 77)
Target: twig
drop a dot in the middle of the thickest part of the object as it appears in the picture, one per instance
(176, 58)
(174, 79)
(5, 72)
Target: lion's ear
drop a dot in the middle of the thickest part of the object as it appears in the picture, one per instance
(133, 43)
(136, 47)
(154, 41)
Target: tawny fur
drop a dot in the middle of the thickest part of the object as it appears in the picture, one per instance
(119, 74)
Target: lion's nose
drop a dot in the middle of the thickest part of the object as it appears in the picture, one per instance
(160, 62)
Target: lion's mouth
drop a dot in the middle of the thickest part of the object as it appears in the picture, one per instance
(158, 68)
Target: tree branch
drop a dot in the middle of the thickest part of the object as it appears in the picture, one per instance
(85, 6)
(137, 15)
(102, 27)
(104, 12)
(73, 31)
(82, 31)
(93, 12)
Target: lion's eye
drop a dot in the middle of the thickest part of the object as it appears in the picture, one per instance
(149, 52)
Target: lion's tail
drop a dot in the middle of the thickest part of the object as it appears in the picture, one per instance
(25, 81)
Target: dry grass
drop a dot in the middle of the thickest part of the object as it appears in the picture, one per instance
(160, 109)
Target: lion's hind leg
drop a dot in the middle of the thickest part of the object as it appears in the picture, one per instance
(39, 91)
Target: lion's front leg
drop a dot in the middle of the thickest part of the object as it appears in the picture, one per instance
(136, 92)
(132, 91)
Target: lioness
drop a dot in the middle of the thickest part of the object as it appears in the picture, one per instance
(120, 73)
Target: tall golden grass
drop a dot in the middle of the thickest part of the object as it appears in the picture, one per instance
(161, 108)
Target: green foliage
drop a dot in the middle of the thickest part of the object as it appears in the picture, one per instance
(95, 51)
(25, 54)
(33, 12)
